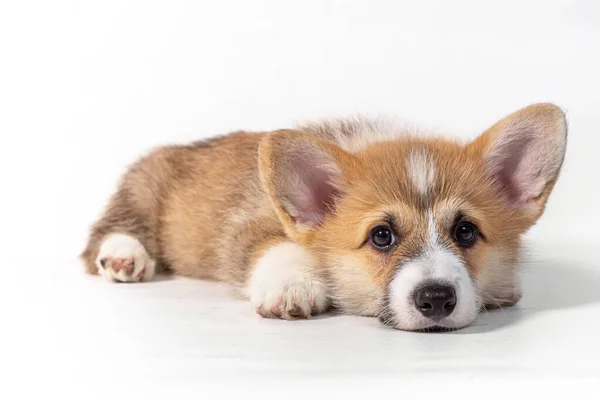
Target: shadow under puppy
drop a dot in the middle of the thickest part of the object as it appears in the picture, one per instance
(420, 232)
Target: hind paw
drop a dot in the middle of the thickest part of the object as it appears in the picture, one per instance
(122, 258)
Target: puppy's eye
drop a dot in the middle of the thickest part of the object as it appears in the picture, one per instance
(465, 234)
(382, 238)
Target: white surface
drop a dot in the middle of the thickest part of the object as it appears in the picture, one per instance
(86, 87)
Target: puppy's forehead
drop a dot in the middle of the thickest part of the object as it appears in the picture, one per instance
(417, 173)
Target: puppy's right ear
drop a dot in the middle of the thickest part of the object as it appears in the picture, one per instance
(303, 176)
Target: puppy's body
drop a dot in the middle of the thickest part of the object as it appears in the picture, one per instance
(199, 210)
(301, 219)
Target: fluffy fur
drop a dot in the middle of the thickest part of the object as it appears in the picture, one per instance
(288, 216)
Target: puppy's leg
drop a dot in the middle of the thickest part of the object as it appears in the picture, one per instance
(285, 282)
(120, 251)
(123, 245)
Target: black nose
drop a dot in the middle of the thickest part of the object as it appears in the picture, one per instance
(435, 301)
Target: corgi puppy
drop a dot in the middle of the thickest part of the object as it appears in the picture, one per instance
(350, 214)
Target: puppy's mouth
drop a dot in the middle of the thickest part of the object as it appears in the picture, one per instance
(424, 326)
(436, 329)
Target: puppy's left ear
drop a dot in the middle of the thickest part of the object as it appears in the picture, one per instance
(303, 176)
(523, 154)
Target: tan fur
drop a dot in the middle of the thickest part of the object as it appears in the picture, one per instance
(211, 209)
(198, 209)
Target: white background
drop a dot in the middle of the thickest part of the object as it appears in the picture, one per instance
(88, 86)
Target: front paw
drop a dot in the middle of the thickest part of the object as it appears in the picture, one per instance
(284, 284)
(298, 297)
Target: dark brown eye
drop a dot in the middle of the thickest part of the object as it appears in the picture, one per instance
(466, 234)
(382, 238)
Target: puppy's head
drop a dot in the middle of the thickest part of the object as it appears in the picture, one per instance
(419, 232)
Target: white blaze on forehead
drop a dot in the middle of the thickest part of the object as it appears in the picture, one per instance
(432, 236)
(435, 263)
(421, 169)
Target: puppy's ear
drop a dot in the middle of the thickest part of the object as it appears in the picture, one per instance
(303, 176)
(523, 154)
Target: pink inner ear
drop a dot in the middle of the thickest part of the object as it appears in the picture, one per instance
(312, 189)
(507, 167)
(523, 163)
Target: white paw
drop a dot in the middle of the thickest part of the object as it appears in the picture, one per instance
(123, 258)
(284, 284)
